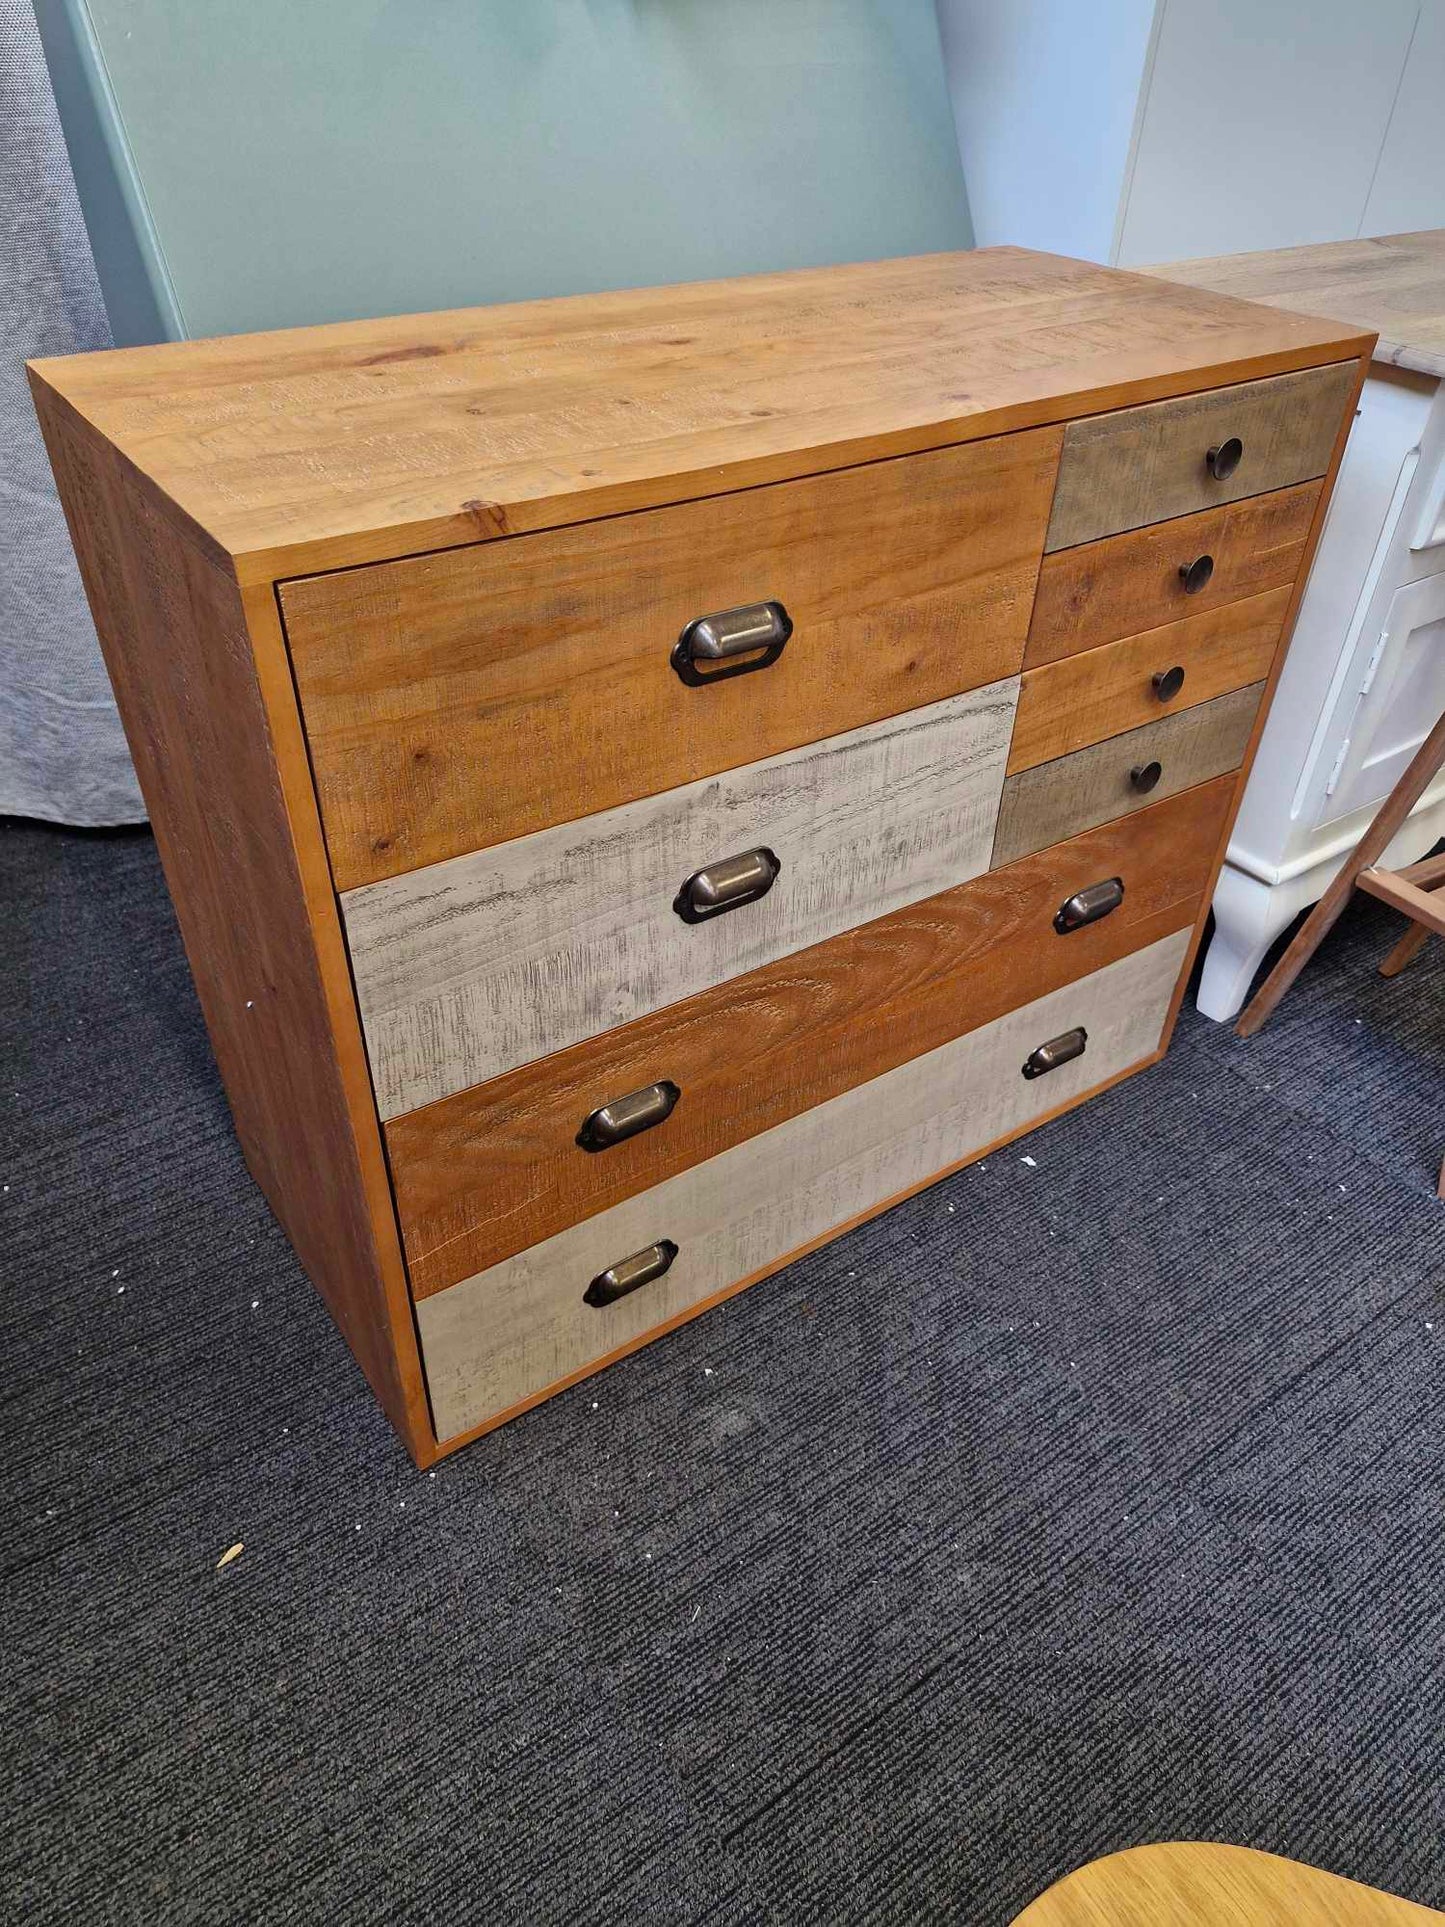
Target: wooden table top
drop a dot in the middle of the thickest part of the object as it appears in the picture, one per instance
(1393, 285)
(321, 447)
(1189, 1883)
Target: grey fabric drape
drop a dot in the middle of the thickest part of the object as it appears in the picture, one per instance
(62, 754)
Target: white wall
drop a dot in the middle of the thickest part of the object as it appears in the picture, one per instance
(1408, 191)
(1265, 123)
(1130, 131)
(1043, 98)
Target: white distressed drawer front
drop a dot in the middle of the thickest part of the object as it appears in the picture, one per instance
(511, 1331)
(470, 967)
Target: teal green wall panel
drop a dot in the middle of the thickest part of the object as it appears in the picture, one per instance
(285, 161)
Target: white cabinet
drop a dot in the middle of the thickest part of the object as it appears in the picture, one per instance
(1401, 692)
(1362, 685)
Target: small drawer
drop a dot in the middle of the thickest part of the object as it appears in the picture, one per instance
(1110, 779)
(1127, 583)
(1123, 685)
(1171, 458)
(491, 1170)
(471, 967)
(500, 1338)
(459, 700)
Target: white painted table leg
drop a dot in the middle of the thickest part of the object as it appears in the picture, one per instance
(1248, 916)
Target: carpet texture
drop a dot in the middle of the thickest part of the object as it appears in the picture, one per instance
(1076, 1503)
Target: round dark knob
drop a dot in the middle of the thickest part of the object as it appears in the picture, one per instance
(1167, 683)
(1194, 575)
(1225, 459)
(1144, 776)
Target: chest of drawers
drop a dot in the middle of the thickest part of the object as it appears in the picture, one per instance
(648, 780)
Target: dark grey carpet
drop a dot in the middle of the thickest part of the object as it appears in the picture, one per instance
(1066, 1507)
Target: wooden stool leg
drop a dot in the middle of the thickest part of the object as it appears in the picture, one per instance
(1326, 913)
(1405, 951)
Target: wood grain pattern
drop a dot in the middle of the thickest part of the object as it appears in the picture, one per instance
(199, 474)
(435, 690)
(471, 967)
(1126, 583)
(1337, 454)
(1427, 874)
(1059, 799)
(491, 1170)
(1391, 284)
(519, 1326)
(1392, 888)
(206, 697)
(1404, 952)
(1147, 464)
(1189, 1883)
(318, 448)
(1103, 692)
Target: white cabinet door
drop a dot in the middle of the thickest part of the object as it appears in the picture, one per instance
(1404, 697)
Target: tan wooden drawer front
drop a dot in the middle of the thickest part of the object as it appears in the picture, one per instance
(1127, 583)
(1083, 699)
(1147, 464)
(467, 969)
(508, 1333)
(1059, 799)
(491, 1170)
(458, 700)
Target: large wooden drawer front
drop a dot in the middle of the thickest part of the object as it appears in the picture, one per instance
(1127, 583)
(467, 969)
(458, 700)
(1083, 699)
(491, 1170)
(1147, 464)
(506, 1335)
(1073, 793)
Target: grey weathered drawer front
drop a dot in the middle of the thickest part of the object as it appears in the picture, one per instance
(1148, 464)
(1057, 800)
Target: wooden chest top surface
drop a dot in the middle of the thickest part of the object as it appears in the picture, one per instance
(318, 448)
